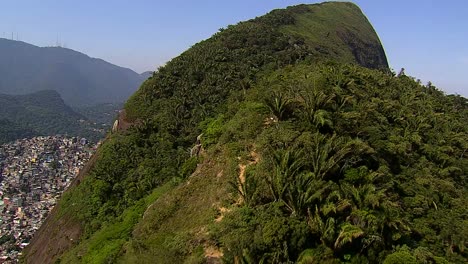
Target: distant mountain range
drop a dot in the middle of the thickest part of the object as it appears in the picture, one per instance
(78, 78)
(41, 113)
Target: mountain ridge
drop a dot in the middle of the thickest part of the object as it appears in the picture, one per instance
(267, 143)
(234, 56)
(41, 113)
(79, 78)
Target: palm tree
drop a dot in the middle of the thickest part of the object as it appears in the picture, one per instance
(305, 191)
(328, 152)
(287, 165)
(348, 233)
(322, 225)
(371, 212)
(278, 105)
(316, 103)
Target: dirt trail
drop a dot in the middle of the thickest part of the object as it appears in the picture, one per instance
(254, 158)
(222, 210)
(213, 252)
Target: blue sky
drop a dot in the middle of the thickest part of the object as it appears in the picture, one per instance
(428, 38)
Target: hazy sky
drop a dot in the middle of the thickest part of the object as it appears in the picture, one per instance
(428, 38)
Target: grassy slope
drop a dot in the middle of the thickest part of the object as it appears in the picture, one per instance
(233, 60)
(178, 228)
(175, 228)
(104, 244)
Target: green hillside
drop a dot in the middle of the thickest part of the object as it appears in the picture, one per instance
(10, 131)
(102, 114)
(283, 139)
(41, 113)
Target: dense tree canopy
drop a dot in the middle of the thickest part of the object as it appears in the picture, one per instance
(306, 156)
(363, 163)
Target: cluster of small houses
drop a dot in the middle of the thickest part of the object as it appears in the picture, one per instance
(33, 174)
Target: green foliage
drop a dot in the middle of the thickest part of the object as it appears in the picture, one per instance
(317, 256)
(358, 182)
(268, 235)
(189, 166)
(102, 114)
(244, 125)
(6, 238)
(10, 131)
(325, 26)
(327, 162)
(212, 129)
(278, 105)
(351, 190)
(41, 113)
(400, 257)
(128, 168)
(104, 245)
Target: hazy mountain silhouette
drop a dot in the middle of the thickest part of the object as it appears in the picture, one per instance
(80, 79)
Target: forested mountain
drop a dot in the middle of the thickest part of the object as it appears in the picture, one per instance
(41, 113)
(80, 80)
(10, 131)
(101, 114)
(282, 139)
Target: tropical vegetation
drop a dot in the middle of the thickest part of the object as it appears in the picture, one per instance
(312, 151)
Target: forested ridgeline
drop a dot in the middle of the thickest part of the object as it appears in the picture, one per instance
(302, 155)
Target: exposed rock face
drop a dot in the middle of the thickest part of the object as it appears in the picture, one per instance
(370, 55)
(115, 126)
